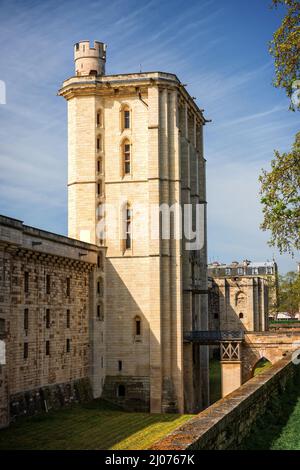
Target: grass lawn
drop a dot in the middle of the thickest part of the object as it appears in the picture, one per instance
(279, 427)
(289, 437)
(262, 366)
(215, 390)
(96, 425)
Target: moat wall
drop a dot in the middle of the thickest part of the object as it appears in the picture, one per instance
(51, 397)
(225, 424)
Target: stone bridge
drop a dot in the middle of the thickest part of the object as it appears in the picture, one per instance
(241, 351)
(271, 345)
(239, 359)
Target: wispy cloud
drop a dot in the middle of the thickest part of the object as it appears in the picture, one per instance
(205, 43)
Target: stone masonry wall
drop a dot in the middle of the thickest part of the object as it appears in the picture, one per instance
(229, 421)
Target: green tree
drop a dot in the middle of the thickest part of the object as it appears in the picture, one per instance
(285, 48)
(280, 191)
(289, 293)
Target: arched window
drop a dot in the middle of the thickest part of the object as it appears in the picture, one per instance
(241, 316)
(126, 155)
(128, 215)
(99, 118)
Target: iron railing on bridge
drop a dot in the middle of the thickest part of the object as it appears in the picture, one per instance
(213, 337)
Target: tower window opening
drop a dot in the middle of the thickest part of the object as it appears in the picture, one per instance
(47, 318)
(241, 316)
(25, 351)
(99, 165)
(120, 366)
(126, 119)
(47, 348)
(99, 118)
(26, 319)
(99, 143)
(128, 229)
(138, 329)
(126, 158)
(68, 345)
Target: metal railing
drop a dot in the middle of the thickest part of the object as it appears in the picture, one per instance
(213, 337)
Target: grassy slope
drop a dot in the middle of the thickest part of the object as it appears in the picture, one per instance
(93, 426)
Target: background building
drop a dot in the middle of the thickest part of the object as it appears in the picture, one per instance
(241, 295)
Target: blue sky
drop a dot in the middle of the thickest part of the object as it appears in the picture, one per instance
(218, 48)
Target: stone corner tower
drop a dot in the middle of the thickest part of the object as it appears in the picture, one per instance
(89, 60)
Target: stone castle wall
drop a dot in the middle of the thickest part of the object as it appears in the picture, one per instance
(47, 314)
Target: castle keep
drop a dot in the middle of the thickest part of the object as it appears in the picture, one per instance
(136, 141)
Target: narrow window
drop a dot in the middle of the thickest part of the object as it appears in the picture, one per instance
(137, 326)
(128, 229)
(101, 362)
(68, 318)
(241, 316)
(120, 366)
(121, 391)
(26, 319)
(26, 282)
(126, 158)
(99, 118)
(99, 188)
(48, 318)
(2, 326)
(68, 345)
(99, 143)
(47, 348)
(68, 287)
(126, 117)
(48, 284)
(25, 351)
(99, 165)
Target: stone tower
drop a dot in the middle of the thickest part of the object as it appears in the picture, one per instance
(135, 143)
